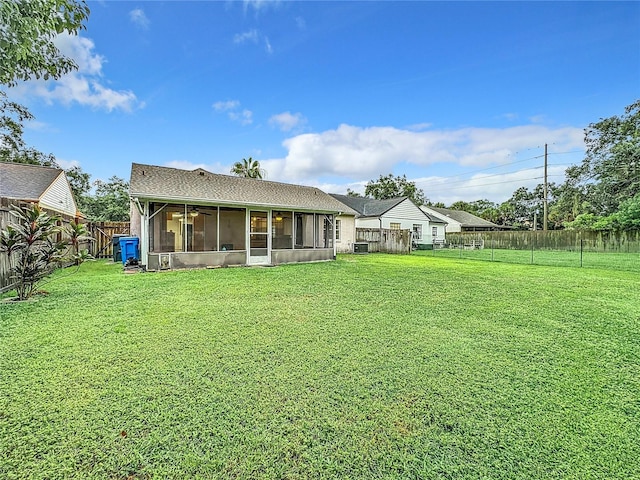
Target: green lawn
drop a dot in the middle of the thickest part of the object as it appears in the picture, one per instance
(557, 258)
(373, 366)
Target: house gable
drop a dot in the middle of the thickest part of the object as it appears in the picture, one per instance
(59, 197)
(46, 186)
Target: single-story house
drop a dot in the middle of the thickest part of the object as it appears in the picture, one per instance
(396, 214)
(46, 187)
(195, 218)
(460, 221)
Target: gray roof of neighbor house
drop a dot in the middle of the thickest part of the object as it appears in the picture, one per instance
(370, 207)
(466, 219)
(25, 182)
(172, 184)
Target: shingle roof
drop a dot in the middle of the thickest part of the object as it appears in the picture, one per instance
(25, 182)
(368, 207)
(164, 183)
(466, 219)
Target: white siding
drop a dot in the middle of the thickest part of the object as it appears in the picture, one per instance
(452, 225)
(347, 233)
(407, 214)
(58, 197)
(368, 222)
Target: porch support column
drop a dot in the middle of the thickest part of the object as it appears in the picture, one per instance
(144, 241)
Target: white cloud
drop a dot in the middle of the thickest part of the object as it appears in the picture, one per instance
(138, 17)
(496, 187)
(267, 45)
(358, 154)
(255, 37)
(301, 23)
(226, 105)
(250, 36)
(287, 121)
(83, 86)
(67, 164)
(245, 117)
(260, 5)
(232, 109)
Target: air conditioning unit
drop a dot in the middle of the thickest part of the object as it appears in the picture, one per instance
(361, 247)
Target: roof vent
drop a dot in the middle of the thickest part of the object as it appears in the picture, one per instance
(201, 173)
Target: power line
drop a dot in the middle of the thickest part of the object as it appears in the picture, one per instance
(499, 183)
(513, 163)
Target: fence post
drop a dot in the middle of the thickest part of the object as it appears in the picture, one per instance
(533, 239)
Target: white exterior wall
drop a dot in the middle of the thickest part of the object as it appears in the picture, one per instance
(59, 197)
(451, 227)
(370, 222)
(407, 214)
(440, 235)
(347, 233)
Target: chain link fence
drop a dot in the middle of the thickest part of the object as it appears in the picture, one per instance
(609, 250)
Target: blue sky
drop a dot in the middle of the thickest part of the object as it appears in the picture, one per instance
(459, 96)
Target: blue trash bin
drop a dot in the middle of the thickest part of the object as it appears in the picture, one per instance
(129, 247)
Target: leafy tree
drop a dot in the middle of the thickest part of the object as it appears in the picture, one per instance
(29, 28)
(351, 193)
(12, 116)
(248, 168)
(80, 184)
(33, 248)
(610, 171)
(110, 202)
(390, 186)
(628, 216)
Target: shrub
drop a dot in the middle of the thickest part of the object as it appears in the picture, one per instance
(34, 250)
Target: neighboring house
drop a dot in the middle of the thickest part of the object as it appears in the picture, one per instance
(195, 218)
(22, 184)
(396, 214)
(45, 186)
(461, 221)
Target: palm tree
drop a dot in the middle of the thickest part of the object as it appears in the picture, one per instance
(248, 168)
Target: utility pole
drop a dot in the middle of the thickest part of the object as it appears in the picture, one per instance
(545, 213)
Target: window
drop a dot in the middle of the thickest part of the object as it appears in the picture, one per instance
(434, 231)
(417, 231)
(281, 230)
(338, 230)
(394, 226)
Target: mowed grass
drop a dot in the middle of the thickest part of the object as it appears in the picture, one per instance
(374, 366)
(558, 258)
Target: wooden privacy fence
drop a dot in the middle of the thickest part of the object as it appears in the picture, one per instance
(102, 233)
(385, 240)
(576, 240)
(6, 217)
